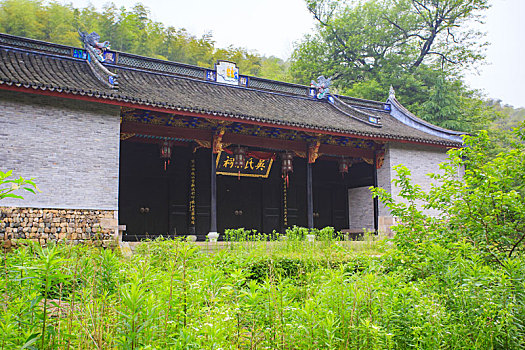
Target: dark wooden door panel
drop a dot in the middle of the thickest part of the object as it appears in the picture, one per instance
(322, 207)
(179, 219)
(144, 210)
(203, 191)
(202, 220)
(271, 219)
(340, 207)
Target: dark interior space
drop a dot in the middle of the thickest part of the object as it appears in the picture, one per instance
(154, 201)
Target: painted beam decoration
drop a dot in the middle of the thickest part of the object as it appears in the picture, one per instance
(253, 166)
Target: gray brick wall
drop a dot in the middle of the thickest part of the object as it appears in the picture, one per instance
(361, 208)
(69, 147)
(419, 159)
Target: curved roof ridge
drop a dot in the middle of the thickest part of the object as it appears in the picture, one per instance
(402, 114)
(368, 117)
(146, 89)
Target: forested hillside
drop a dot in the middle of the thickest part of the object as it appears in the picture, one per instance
(130, 30)
(420, 48)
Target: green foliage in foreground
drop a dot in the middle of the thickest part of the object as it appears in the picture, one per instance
(278, 295)
(451, 281)
(8, 185)
(485, 207)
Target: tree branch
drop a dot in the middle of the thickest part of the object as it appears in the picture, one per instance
(516, 244)
(443, 56)
(351, 57)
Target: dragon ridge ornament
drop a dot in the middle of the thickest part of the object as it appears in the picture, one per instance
(322, 85)
(92, 41)
(97, 53)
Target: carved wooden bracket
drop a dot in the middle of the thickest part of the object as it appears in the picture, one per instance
(313, 151)
(217, 141)
(380, 158)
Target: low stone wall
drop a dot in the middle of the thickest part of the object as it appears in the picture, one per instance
(58, 225)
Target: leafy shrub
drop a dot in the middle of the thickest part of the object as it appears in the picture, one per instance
(485, 207)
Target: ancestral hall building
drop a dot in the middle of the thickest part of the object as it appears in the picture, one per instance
(171, 149)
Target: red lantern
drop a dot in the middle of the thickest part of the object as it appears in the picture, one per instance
(344, 164)
(286, 165)
(165, 152)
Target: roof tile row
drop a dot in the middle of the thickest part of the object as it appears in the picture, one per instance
(69, 75)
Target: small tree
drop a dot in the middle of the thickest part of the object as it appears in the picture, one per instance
(485, 207)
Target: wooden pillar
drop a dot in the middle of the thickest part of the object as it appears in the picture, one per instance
(309, 195)
(213, 204)
(376, 200)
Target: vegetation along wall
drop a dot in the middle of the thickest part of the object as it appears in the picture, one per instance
(421, 160)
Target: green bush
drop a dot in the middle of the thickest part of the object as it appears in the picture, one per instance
(485, 207)
(446, 283)
(171, 294)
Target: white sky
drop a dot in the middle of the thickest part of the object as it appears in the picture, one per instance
(271, 26)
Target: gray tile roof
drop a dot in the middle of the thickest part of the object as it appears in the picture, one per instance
(40, 70)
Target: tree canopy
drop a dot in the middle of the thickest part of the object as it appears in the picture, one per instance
(420, 47)
(358, 40)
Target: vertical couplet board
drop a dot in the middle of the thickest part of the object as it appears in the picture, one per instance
(296, 194)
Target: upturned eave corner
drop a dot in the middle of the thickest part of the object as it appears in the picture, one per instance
(402, 114)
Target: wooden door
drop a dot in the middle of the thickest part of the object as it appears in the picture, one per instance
(178, 186)
(331, 206)
(271, 193)
(340, 207)
(238, 203)
(143, 191)
(322, 206)
(296, 194)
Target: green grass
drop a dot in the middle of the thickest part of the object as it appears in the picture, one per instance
(256, 295)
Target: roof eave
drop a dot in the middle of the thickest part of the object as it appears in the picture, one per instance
(402, 114)
(162, 107)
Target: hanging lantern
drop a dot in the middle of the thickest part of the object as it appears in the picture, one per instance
(165, 153)
(286, 165)
(239, 156)
(344, 164)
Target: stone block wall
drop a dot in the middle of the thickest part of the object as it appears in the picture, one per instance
(71, 150)
(58, 225)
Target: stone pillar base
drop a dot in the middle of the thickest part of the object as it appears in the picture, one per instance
(384, 225)
(213, 236)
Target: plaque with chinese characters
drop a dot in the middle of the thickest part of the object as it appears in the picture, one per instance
(253, 167)
(227, 73)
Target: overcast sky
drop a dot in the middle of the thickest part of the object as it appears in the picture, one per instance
(271, 26)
